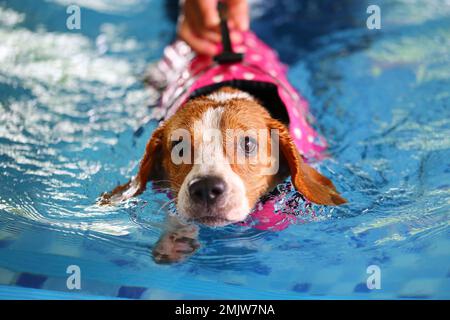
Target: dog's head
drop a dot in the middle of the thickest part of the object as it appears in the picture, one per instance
(219, 154)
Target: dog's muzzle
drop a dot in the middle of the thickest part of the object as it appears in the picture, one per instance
(207, 195)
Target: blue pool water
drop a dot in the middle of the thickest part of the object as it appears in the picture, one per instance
(71, 104)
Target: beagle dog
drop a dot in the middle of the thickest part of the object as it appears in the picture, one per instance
(232, 131)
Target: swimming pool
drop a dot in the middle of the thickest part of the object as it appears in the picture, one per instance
(74, 122)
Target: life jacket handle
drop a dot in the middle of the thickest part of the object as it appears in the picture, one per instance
(227, 55)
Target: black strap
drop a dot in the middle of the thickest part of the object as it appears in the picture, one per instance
(227, 55)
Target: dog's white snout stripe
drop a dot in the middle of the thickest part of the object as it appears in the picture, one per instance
(213, 161)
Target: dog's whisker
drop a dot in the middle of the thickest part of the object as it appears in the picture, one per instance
(167, 203)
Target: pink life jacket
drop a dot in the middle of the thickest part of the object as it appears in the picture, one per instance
(182, 75)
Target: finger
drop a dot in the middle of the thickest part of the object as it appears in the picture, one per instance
(208, 11)
(199, 45)
(212, 36)
(195, 21)
(239, 14)
(236, 37)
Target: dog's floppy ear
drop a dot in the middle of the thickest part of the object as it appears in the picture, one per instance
(149, 169)
(314, 186)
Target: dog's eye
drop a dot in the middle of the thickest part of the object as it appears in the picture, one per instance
(248, 145)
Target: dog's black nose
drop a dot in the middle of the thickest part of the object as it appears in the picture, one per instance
(207, 190)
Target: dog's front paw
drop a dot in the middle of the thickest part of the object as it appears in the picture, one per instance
(175, 247)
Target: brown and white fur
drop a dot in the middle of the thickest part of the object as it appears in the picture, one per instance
(213, 189)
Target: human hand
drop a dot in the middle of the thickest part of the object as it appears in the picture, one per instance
(199, 23)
